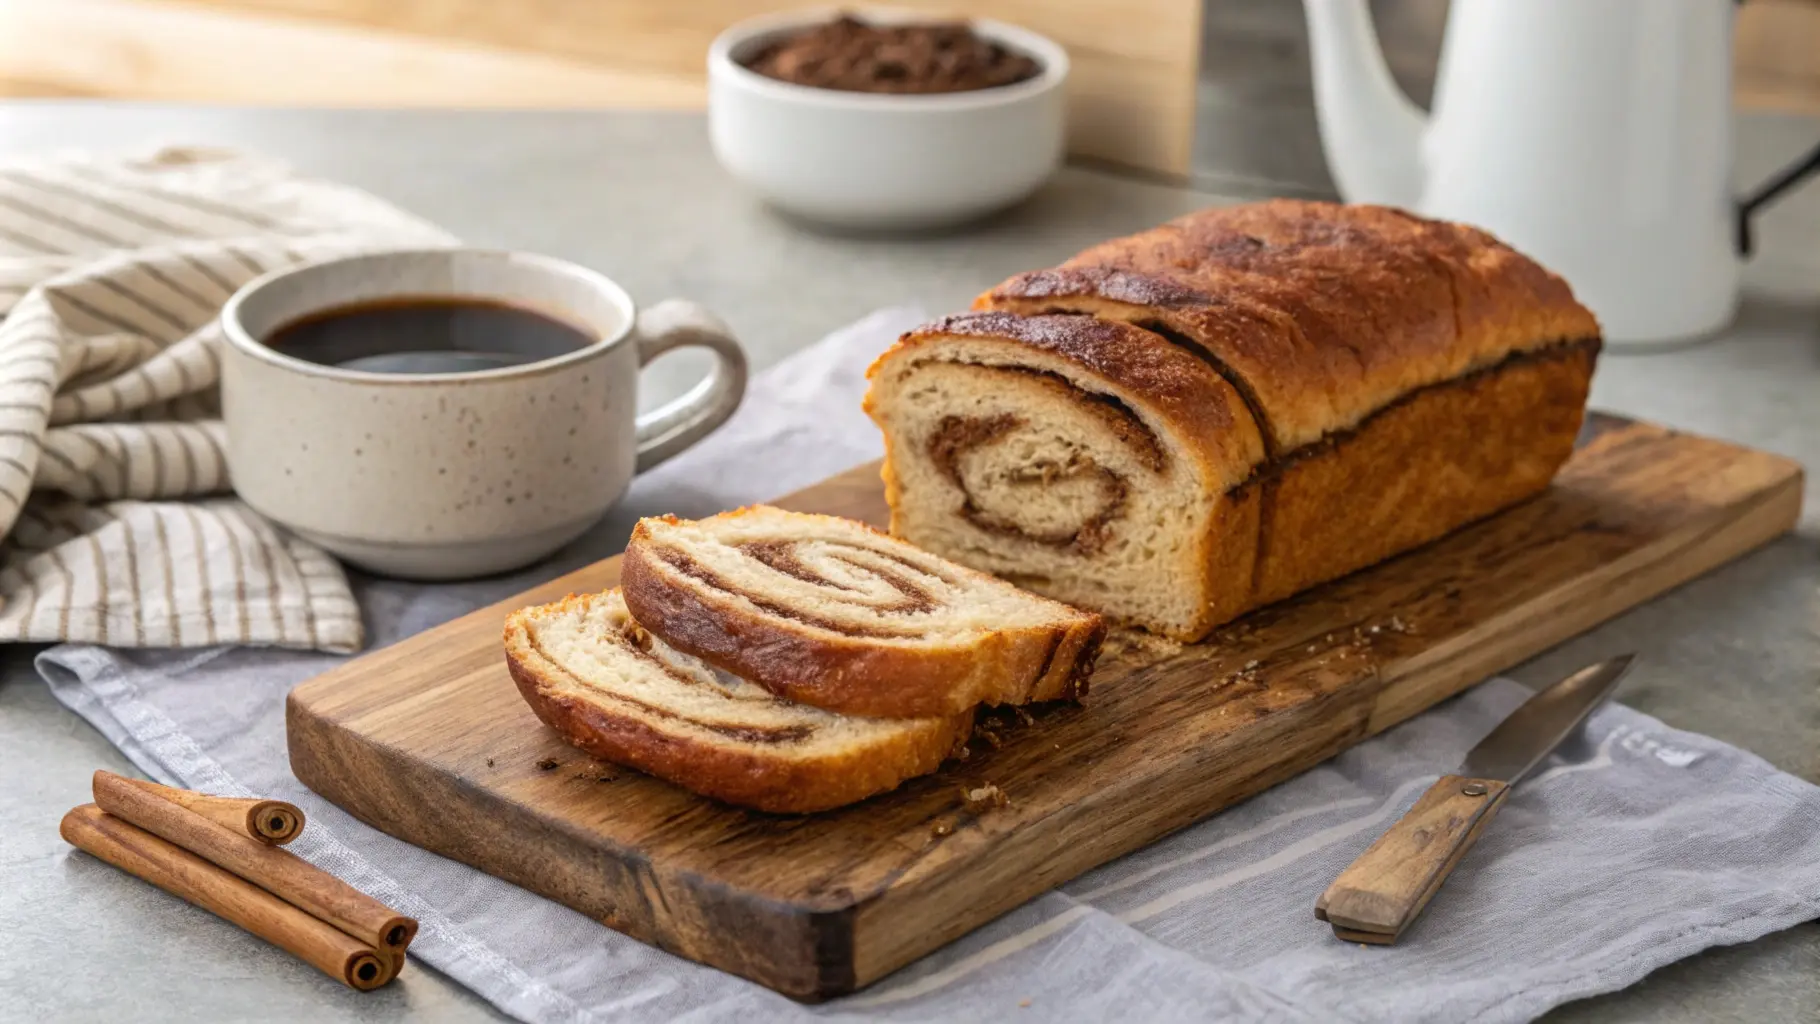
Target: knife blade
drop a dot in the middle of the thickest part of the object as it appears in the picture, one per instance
(1523, 740)
(1382, 892)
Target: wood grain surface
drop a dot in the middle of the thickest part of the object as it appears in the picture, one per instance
(1379, 895)
(429, 741)
(1131, 92)
(178, 52)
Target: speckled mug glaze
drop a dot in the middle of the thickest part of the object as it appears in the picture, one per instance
(453, 475)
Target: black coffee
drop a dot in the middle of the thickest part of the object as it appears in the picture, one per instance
(427, 335)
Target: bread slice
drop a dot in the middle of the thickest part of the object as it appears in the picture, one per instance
(608, 686)
(831, 612)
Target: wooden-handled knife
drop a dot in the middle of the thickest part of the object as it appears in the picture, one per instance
(1381, 893)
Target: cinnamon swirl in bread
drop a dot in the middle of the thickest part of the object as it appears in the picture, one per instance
(611, 688)
(830, 612)
(1185, 424)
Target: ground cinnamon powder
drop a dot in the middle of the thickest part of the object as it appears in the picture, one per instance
(850, 55)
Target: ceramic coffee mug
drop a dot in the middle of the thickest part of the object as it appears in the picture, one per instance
(445, 475)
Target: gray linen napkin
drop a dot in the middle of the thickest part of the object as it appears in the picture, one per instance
(1635, 847)
(112, 271)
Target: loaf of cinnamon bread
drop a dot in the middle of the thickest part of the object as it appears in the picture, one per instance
(1179, 426)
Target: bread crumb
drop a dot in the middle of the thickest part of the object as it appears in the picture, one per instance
(548, 764)
(595, 771)
(941, 829)
(984, 798)
(1247, 673)
(1131, 642)
(1023, 1003)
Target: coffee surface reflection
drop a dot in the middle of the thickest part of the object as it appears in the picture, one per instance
(424, 335)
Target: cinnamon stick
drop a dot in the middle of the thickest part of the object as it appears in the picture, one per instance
(279, 872)
(181, 873)
(270, 821)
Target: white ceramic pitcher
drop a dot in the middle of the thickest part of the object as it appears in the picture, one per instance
(1594, 135)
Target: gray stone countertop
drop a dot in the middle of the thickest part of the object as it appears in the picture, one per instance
(1735, 655)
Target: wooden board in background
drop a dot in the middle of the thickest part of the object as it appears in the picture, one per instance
(175, 52)
(428, 740)
(1131, 93)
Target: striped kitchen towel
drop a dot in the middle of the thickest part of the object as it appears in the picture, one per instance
(115, 511)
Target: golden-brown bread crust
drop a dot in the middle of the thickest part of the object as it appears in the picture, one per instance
(1230, 552)
(750, 776)
(1322, 313)
(856, 675)
(1428, 464)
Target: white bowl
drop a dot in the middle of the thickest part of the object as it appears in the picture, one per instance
(884, 161)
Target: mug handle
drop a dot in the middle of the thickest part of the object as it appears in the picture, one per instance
(679, 423)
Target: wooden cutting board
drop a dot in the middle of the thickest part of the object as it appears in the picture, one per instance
(429, 741)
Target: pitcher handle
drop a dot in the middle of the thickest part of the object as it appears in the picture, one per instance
(1768, 192)
(679, 423)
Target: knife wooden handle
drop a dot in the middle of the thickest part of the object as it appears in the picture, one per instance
(1380, 894)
